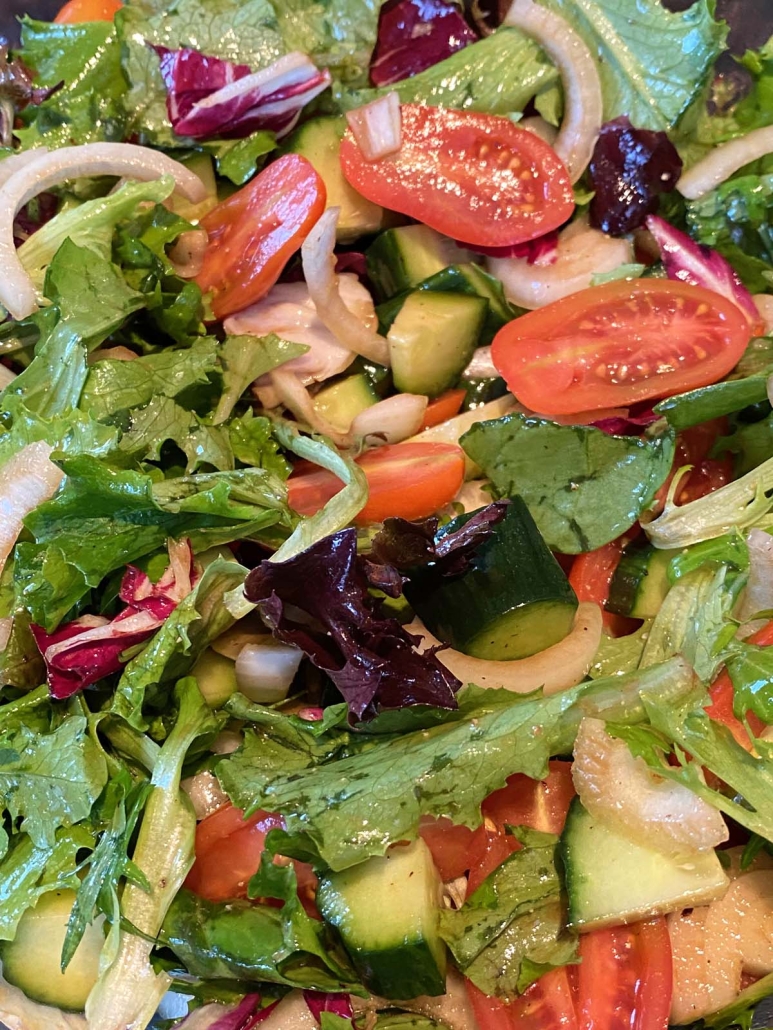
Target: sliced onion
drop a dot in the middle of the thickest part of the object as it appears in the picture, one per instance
(10, 165)
(319, 271)
(473, 495)
(390, 421)
(297, 399)
(292, 1013)
(764, 304)
(563, 665)
(582, 253)
(758, 593)
(265, 672)
(205, 792)
(119, 353)
(249, 630)
(377, 127)
(6, 628)
(26, 480)
(454, 428)
(481, 366)
(6, 376)
(723, 161)
(17, 294)
(187, 254)
(583, 105)
(540, 128)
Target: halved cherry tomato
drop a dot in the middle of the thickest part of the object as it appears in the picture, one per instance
(76, 11)
(625, 978)
(475, 177)
(540, 804)
(546, 1005)
(254, 233)
(443, 407)
(410, 480)
(618, 344)
(693, 447)
(722, 696)
(590, 578)
(228, 849)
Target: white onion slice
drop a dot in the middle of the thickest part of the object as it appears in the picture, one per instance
(319, 271)
(540, 128)
(17, 294)
(723, 161)
(297, 399)
(481, 366)
(390, 421)
(764, 304)
(187, 254)
(6, 376)
(265, 672)
(205, 792)
(556, 668)
(28, 479)
(758, 594)
(6, 628)
(582, 253)
(377, 127)
(583, 105)
(292, 1013)
(10, 165)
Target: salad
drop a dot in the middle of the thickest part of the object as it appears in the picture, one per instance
(386, 517)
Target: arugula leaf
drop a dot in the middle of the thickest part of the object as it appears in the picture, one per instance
(509, 931)
(751, 443)
(582, 486)
(652, 61)
(445, 770)
(730, 549)
(50, 780)
(86, 58)
(244, 359)
(709, 402)
(196, 621)
(112, 386)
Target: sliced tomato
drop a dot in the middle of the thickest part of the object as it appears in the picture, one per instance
(88, 10)
(546, 1005)
(618, 344)
(443, 407)
(625, 977)
(540, 804)
(693, 447)
(228, 849)
(410, 480)
(450, 846)
(722, 696)
(475, 177)
(254, 233)
(490, 847)
(591, 577)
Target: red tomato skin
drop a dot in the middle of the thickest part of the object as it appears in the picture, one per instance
(410, 480)
(546, 1005)
(76, 11)
(591, 577)
(721, 693)
(449, 844)
(475, 177)
(442, 408)
(254, 233)
(619, 344)
(539, 804)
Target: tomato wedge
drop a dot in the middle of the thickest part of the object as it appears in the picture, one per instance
(625, 978)
(254, 233)
(591, 577)
(546, 1005)
(443, 407)
(76, 11)
(410, 480)
(620, 343)
(540, 804)
(475, 177)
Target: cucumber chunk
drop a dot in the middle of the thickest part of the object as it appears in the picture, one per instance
(640, 583)
(319, 141)
(216, 677)
(432, 340)
(611, 880)
(514, 601)
(399, 259)
(31, 959)
(387, 912)
(342, 402)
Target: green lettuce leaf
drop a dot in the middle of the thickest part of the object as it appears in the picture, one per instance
(244, 359)
(751, 670)
(336, 34)
(163, 420)
(582, 486)
(239, 159)
(444, 770)
(750, 443)
(509, 931)
(72, 433)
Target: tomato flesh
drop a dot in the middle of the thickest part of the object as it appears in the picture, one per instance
(443, 407)
(546, 1005)
(475, 177)
(77, 11)
(254, 233)
(722, 697)
(591, 577)
(618, 344)
(409, 480)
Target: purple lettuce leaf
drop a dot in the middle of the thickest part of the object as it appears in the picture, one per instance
(541, 252)
(245, 1016)
(209, 97)
(17, 91)
(629, 170)
(691, 262)
(628, 425)
(319, 602)
(414, 35)
(339, 1004)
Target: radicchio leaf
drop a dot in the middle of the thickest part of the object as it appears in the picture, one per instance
(209, 97)
(691, 262)
(628, 425)
(319, 602)
(91, 647)
(17, 91)
(540, 252)
(414, 35)
(339, 1004)
(629, 169)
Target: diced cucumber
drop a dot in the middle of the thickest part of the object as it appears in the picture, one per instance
(399, 259)
(432, 340)
(319, 141)
(31, 959)
(216, 677)
(387, 911)
(611, 880)
(481, 391)
(640, 583)
(342, 401)
(514, 601)
(201, 165)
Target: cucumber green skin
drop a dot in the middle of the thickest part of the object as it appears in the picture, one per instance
(640, 583)
(343, 401)
(400, 259)
(481, 391)
(513, 574)
(432, 340)
(406, 971)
